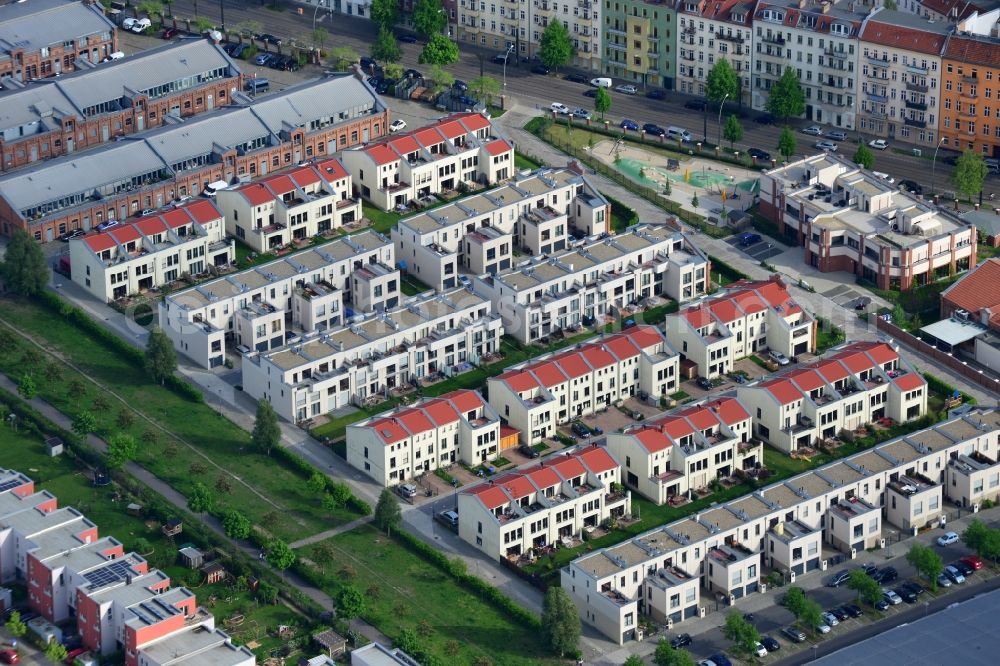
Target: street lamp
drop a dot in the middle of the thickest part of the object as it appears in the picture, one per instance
(722, 105)
(319, 5)
(934, 164)
(815, 650)
(506, 57)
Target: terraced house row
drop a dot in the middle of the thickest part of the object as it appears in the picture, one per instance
(794, 526)
(117, 603)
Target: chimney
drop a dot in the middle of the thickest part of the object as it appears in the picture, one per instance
(996, 211)
(826, 7)
(977, 206)
(803, 3)
(779, 529)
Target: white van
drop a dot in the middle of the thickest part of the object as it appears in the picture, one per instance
(601, 82)
(679, 134)
(992, 164)
(212, 188)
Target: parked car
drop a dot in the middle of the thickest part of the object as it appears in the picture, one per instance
(884, 177)
(943, 581)
(680, 640)
(10, 657)
(823, 628)
(527, 451)
(575, 78)
(540, 69)
(460, 86)
(107, 225)
(168, 33)
(886, 575)
(601, 82)
(778, 357)
(906, 594)
(140, 26)
(627, 124)
(654, 130)
(973, 561)
(397, 125)
(695, 104)
(891, 597)
(911, 186)
(656, 93)
(720, 659)
(840, 613)
(704, 383)
(262, 58)
(868, 567)
(830, 619)
(759, 154)
(581, 113)
(853, 610)
(559, 108)
(580, 429)
(590, 92)
(878, 144)
(813, 130)
(70, 235)
(837, 135)
(626, 89)
(954, 574)
(963, 568)
(748, 239)
(407, 490)
(764, 119)
(268, 38)
(794, 634)
(412, 74)
(771, 644)
(406, 38)
(826, 145)
(917, 588)
(947, 539)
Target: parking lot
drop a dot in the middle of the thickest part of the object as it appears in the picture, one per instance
(846, 295)
(761, 250)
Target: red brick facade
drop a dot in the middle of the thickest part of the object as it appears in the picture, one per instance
(27, 65)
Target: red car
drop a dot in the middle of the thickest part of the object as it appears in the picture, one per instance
(168, 33)
(973, 562)
(9, 657)
(73, 654)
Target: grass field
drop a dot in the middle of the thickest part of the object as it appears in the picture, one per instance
(402, 591)
(69, 481)
(193, 442)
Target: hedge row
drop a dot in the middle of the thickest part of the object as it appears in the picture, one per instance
(725, 270)
(621, 211)
(112, 342)
(307, 469)
(941, 387)
(472, 583)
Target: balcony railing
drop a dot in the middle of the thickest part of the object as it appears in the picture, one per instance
(729, 38)
(917, 68)
(878, 62)
(916, 105)
(836, 53)
(916, 87)
(773, 39)
(915, 123)
(970, 79)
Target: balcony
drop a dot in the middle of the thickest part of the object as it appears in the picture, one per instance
(616, 32)
(836, 53)
(877, 62)
(882, 99)
(773, 39)
(916, 87)
(969, 94)
(834, 83)
(729, 38)
(970, 79)
(910, 122)
(921, 106)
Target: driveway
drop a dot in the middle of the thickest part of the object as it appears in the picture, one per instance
(763, 250)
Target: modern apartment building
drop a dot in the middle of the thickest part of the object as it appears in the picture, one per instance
(793, 527)
(505, 24)
(856, 385)
(819, 41)
(457, 151)
(435, 433)
(969, 119)
(748, 317)
(709, 31)
(152, 251)
(244, 140)
(363, 361)
(901, 76)
(594, 280)
(536, 214)
(515, 513)
(538, 396)
(289, 206)
(847, 219)
(196, 644)
(640, 37)
(261, 307)
(670, 457)
(47, 38)
(47, 118)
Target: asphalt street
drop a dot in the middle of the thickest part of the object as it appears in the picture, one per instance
(540, 91)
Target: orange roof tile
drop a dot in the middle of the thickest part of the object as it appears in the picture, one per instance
(597, 356)
(548, 374)
(256, 194)
(622, 347)
(464, 400)
(977, 290)
(572, 364)
(202, 210)
(833, 371)
(569, 467)
(519, 380)
(730, 410)
(597, 459)
(644, 336)
(517, 485)
(972, 49)
(783, 390)
(806, 379)
(909, 381)
(698, 316)
(381, 154)
(440, 412)
(897, 36)
(414, 420)
(492, 496)
(390, 430)
(652, 439)
(331, 169)
(498, 147)
(99, 242)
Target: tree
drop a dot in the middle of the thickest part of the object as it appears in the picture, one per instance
(927, 563)
(201, 498)
(26, 387)
(429, 18)
(350, 602)
(385, 48)
(722, 83)
(602, 101)
(151, 8)
(442, 79)
(340, 493)
(990, 547)
(890, 5)
(786, 99)
(393, 71)
(556, 47)
(24, 269)
(161, 357)
(236, 525)
(266, 432)
(55, 652)
(634, 660)
(316, 483)
(864, 156)
(125, 420)
(279, 555)
(970, 172)
(439, 50)
(84, 423)
(667, 655)
(867, 588)
(812, 615)
(975, 534)
(320, 37)
(342, 57)
(743, 634)
(786, 143)
(384, 13)
(323, 553)
(733, 131)
(15, 626)
(202, 24)
(560, 621)
(387, 513)
(53, 372)
(794, 601)
(485, 88)
(122, 448)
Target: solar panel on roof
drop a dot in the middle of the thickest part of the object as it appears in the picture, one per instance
(115, 571)
(10, 483)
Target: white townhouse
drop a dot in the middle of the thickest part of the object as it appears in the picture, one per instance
(535, 214)
(594, 280)
(709, 31)
(360, 363)
(537, 396)
(290, 206)
(435, 433)
(858, 384)
(793, 527)
(260, 307)
(151, 251)
(515, 513)
(686, 449)
(747, 318)
(458, 150)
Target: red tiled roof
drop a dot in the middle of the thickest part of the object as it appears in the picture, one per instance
(742, 298)
(953, 9)
(548, 374)
(381, 154)
(304, 177)
(783, 390)
(279, 184)
(806, 379)
(464, 400)
(597, 356)
(881, 352)
(978, 290)
(414, 420)
(597, 459)
(452, 129)
(507, 431)
(909, 381)
(176, 218)
(256, 194)
(202, 210)
(644, 336)
(150, 225)
(730, 410)
(569, 467)
(428, 136)
(405, 144)
(331, 169)
(498, 147)
(973, 50)
(833, 371)
(700, 417)
(99, 242)
(896, 36)
(441, 412)
(572, 364)
(855, 360)
(389, 429)
(652, 439)
(622, 347)
(544, 477)
(473, 121)
(749, 301)
(516, 484)
(726, 310)
(698, 316)
(519, 380)
(491, 496)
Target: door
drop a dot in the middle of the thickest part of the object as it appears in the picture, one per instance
(210, 102)
(34, 153)
(105, 133)
(69, 144)
(48, 235)
(140, 123)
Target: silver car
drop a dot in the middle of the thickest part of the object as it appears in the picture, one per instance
(826, 145)
(837, 135)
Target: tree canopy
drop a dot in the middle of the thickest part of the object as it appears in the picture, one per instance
(722, 82)
(864, 156)
(266, 432)
(786, 99)
(667, 655)
(560, 621)
(439, 50)
(485, 88)
(342, 57)
(385, 48)
(387, 513)
(122, 448)
(24, 269)
(556, 47)
(160, 358)
(279, 555)
(201, 499)
(867, 587)
(236, 525)
(84, 423)
(429, 18)
(384, 13)
(743, 634)
(970, 172)
(927, 563)
(787, 142)
(350, 602)
(602, 101)
(733, 131)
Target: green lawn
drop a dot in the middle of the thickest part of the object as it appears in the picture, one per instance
(827, 335)
(986, 252)
(382, 221)
(522, 162)
(193, 442)
(68, 480)
(411, 286)
(402, 591)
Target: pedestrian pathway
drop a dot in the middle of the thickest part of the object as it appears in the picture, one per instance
(322, 536)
